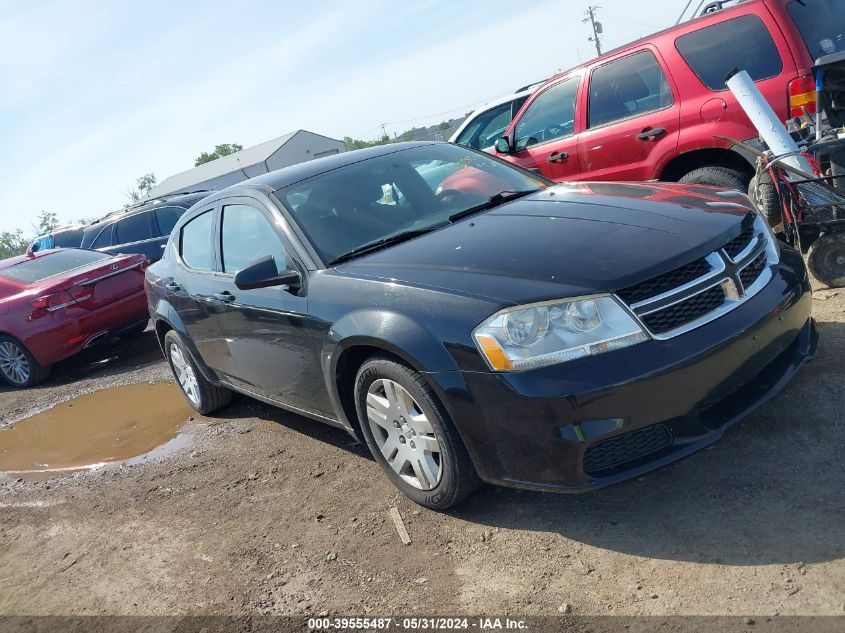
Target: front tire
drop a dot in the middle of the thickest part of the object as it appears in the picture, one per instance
(18, 366)
(203, 396)
(827, 260)
(716, 176)
(411, 436)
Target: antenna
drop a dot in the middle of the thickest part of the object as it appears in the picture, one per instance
(597, 27)
(243, 171)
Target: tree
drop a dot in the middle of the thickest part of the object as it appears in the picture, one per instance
(354, 143)
(443, 126)
(142, 188)
(46, 222)
(12, 243)
(219, 150)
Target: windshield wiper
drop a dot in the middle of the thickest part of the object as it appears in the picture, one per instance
(493, 201)
(382, 243)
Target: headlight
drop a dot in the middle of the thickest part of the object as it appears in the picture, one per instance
(526, 337)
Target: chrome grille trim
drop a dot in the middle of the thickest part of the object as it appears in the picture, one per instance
(726, 272)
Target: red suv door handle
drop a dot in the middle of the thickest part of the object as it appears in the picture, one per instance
(558, 157)
(650, 133)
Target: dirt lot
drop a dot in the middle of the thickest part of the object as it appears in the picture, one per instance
(267, 512)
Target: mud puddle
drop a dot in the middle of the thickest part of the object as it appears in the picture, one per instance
(132, 423)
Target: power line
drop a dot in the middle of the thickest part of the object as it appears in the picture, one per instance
(597, 28)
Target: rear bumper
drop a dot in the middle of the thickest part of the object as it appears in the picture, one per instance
(590, 423)
(69, 331)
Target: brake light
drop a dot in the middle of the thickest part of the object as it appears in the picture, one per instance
(802, 94)
(56, 301)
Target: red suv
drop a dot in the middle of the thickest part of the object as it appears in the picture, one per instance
(650, 110)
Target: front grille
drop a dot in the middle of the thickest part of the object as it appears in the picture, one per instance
(738, 244)
(684, 312)
(604, 457)
(667, 281)
(691, 295)
(750, 273)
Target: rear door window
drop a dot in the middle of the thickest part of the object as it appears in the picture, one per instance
(103, 240)
(166, 218)
(135, 228)
(626, 88)
(744, 43)
(821, 24)
(39, 268)
(195, 243)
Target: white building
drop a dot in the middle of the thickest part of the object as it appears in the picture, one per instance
(290, 149)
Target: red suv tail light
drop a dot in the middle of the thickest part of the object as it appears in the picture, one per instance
(802, 94)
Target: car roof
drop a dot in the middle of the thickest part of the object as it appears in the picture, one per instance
(287, 176)
(184, 200)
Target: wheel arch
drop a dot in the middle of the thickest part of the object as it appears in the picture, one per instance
(684, 163)
(362, 335)
(166, 319)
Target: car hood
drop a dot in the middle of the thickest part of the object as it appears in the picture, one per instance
(568, 240)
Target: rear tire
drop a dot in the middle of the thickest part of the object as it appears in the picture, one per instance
(203, 396)
(763, 193)
(716, 176)
(417, 447)
(827, 260)
(18, 366)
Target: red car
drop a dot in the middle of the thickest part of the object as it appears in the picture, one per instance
(55, 303)
(650, 110)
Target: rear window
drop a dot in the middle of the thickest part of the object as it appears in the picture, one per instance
(821, 24)
(34, 270)
(69, 239)
(744, 43)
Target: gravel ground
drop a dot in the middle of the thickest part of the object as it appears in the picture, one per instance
(266, 512)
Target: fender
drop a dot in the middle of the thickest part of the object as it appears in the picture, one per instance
(395, 333)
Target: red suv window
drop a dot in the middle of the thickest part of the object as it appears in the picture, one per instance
(744, 43)
(628, 87)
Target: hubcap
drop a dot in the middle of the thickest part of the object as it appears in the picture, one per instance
(185, 374)
(403, 434)
(13, 363)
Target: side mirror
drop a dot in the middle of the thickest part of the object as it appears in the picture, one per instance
(264, 273)
(503, 145)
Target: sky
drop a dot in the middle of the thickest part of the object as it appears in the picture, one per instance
(94, 94)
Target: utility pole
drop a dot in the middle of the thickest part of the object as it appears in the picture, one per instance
(597, 28)
(384, 132)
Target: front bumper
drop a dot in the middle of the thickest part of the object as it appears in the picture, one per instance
(596, 421)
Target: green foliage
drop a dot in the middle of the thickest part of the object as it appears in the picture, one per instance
(219, 150)
(354, 143)
(45, 222)
(12, 243)
(142, 188)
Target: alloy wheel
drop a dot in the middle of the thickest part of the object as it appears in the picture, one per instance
(185, 374)
(13, 363)
(403, 434)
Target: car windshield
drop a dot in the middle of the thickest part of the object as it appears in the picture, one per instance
(406, 192)
(33, 270)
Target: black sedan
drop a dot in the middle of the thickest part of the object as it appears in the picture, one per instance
(471, 321)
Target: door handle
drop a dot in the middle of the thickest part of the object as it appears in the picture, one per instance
(225, 296)
(558, 157)
(649, 133)
(172, 286)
